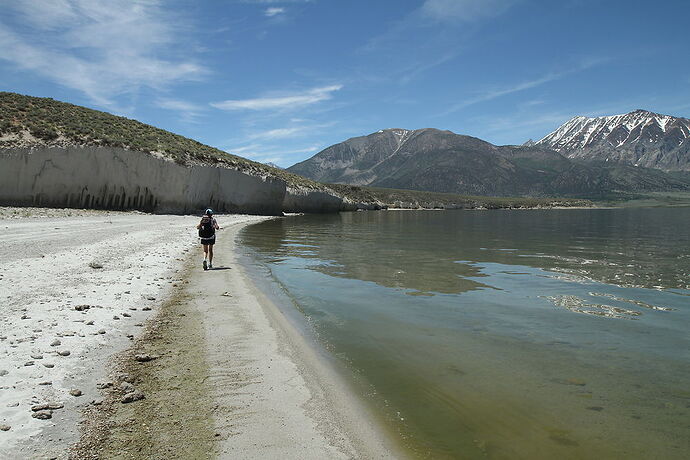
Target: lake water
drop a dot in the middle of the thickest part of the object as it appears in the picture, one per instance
(501, 334)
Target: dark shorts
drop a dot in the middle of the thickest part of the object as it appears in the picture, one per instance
(210, 241)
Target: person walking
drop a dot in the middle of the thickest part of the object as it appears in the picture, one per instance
(207, 234)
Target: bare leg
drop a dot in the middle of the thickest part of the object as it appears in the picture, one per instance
(205, 251)
(210, 253)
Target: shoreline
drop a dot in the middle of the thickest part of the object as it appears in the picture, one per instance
(227, 368)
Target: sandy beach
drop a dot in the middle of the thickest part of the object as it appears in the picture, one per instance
(115, 344)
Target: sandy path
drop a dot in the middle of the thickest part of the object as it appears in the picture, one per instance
(275, 398)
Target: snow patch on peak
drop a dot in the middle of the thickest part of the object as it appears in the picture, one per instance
(580, 132)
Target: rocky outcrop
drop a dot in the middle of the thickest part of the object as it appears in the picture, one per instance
(115, 178)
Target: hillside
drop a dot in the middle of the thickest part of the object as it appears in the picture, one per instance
(442, 161)
(639, 138)
(29, 122)
(58, 154)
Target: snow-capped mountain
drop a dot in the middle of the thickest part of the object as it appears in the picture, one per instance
(639, 138)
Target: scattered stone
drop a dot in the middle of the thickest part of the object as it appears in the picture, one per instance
(14, 404)
(130, 336)
(64, 353)
(97, 402)
(103, 385)
(145, 357)
(133, 308)
(150, 298)
(25, 317)
(49, 365)
(101, 331)
(55, 343)
(146, 309)
(127, 292)
(75, 392)
(82, 307)
(5, 428)
(226, 294)
(95, 265)
(126, 387)
(43, 414)
(47, 406)
(139, 324)
(3, 372)
(116, 317)
(125, 377)
(29, 363)
(89, 323)
(36, 356)
(46, 383)
(133, 396)
(126, 315)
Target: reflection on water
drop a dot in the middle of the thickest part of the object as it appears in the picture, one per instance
(504, 334)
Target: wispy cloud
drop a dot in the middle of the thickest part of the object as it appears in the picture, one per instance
(274, 11)
(292, 131)
(188, 111)
(282, 101)
(491, 94)
(464, 10)
(103, 49)
(272, 154)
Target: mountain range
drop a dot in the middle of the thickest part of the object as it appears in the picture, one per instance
(589, 157)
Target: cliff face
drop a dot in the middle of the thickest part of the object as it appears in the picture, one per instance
(114, 178)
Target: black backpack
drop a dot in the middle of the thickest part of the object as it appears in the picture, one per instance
(207, 229)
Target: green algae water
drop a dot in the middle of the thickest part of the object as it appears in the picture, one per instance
(501, 334)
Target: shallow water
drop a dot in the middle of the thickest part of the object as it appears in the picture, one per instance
(502, 334)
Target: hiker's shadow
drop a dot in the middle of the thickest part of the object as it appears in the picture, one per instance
(219, 268)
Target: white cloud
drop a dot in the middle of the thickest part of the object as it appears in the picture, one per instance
(188, 111)
(103, 49)
(283, 101)
(273, 11)
(464, 10)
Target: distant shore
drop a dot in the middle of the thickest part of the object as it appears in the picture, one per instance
(206, 352)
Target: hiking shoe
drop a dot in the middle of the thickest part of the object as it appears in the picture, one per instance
(210, 266)
(205, 265)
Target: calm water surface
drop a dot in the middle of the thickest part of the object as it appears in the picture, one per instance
(502, 334)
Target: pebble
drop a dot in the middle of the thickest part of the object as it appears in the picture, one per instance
(116, 317)
(82, 307)
(29, 363)
(55, 343)
(125, 377)
(64, 353)
(89, 323)
(145, 357)
(126, 387)
(46, 383)
(3, 372)
(47, 406)
(5, 428)
(75, 392)
(49, 365)
(14, 404)
(95, 265)
(101, 331)
(43, 414)
(102, 385)
(126, 315)
(133, 396)
(36, 356)
(150, 298)
(146, 309)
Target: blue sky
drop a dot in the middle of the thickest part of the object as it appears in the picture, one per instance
(278, 80)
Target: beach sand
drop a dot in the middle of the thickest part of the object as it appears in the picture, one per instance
(222, 372)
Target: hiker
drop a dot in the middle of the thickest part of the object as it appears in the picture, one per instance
(207, 233)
